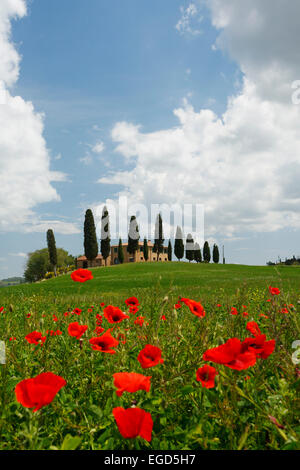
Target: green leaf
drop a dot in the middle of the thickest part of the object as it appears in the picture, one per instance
(71, 442)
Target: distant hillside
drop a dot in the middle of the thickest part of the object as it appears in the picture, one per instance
(11, 281)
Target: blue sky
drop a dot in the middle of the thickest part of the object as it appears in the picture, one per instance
(88, 66)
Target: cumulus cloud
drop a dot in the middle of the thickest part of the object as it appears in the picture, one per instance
(245, 165)
(25, 173)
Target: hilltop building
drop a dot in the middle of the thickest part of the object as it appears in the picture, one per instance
(138, 257)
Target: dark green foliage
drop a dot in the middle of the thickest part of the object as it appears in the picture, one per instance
(133, 236)
(90, 238)
(179, 245)
(158, 237)
(52, 249)
(216, 255)
(120, 252)
(105, 235)
(38, 263)
(189, 248)
(206, 253)
(169, 251)
(145, 249)
(198, 256)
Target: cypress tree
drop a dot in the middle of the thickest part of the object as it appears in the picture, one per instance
(120, 252)
(90, 238)
(189, 248)
(198, 256)
(158, 237)
(145, 249)
(105, 235)
(216, 255)
(52, 249)
(179, 246)
(133, 236)
(170, 251)
(206, 253)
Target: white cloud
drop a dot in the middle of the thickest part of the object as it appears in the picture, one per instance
(25, 173)
(98, 147)
(20, 255)
(87, 159)
(189, 17)
(245, 166)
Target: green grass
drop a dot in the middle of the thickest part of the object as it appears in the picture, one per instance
(235, 414)
(200, 278)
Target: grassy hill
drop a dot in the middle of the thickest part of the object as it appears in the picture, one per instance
(182, 278)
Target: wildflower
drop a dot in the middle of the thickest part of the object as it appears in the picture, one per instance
(253, 327)
(177, 306)
(150, 356)
(274, 290)
(114, 314)
(99, 330)
(76, 311)
(35, 338)
(163, 317)
(139, 321)
(133, 309)
(39, 391)
(81, 275)
(195, 307)
(104, 343)
(133, 422)
(206, 375)
(76, 330)
(231, 355)
(259, 346)
(132, 301)
(130, 382)
(234, 311)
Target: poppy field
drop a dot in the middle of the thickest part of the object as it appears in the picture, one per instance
(164, 368)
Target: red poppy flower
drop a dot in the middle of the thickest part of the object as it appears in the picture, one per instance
(1, 309)
(104, 343)
(54, 318)
(259, 346)
(163, 317)
(76, 330)
(132, 301)
(133, 309)
(130, 382)
(234, 311)
(253, 327)
(81, 275)
(99, 330)
(231, 355)
(150, 356)
(219, 305)
(177, 306)
(195, 307)
(139, 321)
(35, 338)
(206, 375)
(114, 314)
(77, 311)
(102, 304)
(274, 290)
(245, 314)
(39, 391)
(12, 338)
(263, 315)
(284, 310)
(133, 422)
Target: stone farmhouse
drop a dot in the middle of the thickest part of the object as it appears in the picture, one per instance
(83, 262)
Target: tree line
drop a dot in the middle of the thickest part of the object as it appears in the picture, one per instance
(190, 249)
